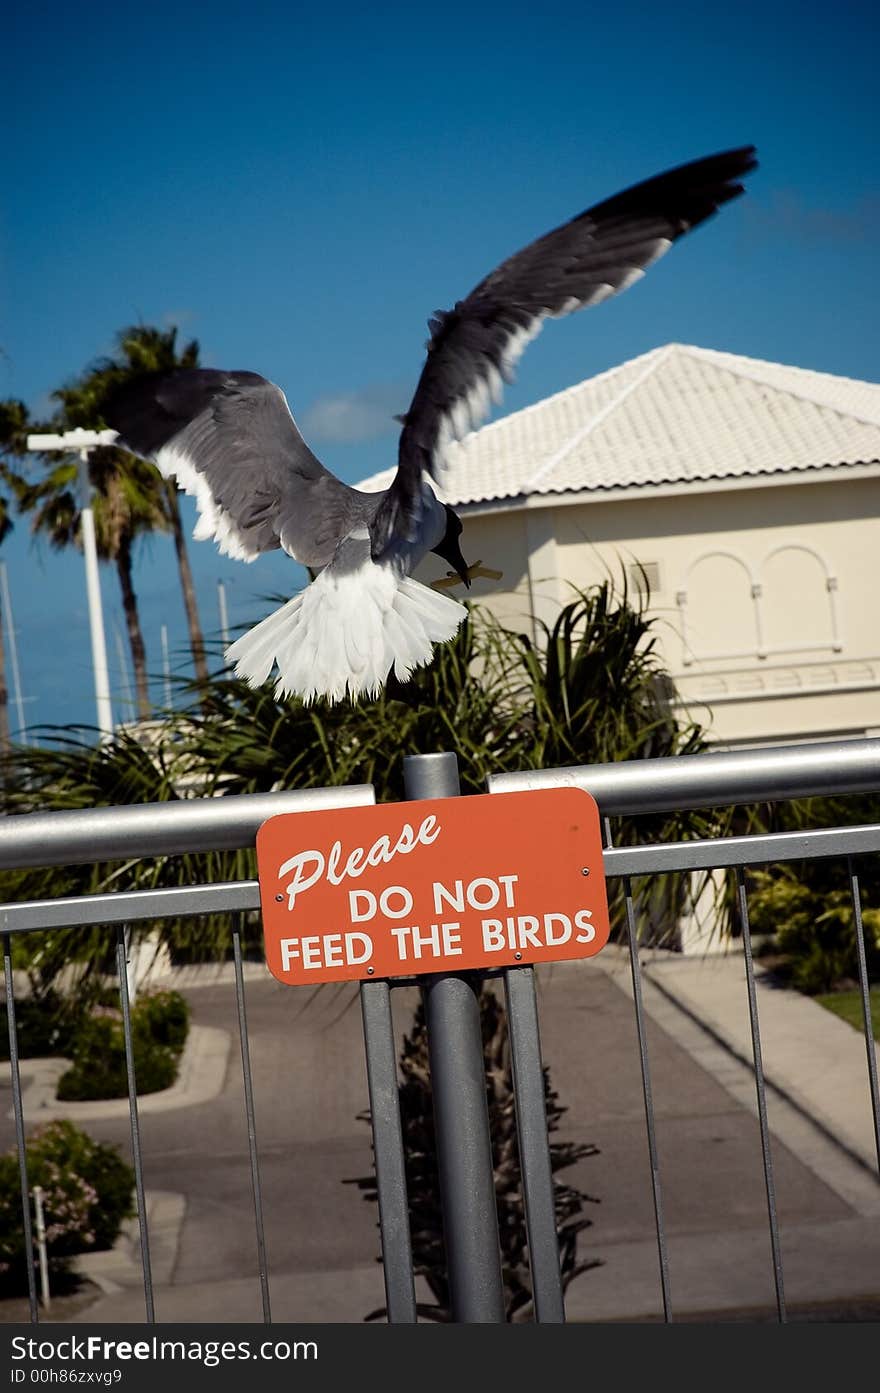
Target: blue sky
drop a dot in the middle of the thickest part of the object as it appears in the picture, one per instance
(299, 188)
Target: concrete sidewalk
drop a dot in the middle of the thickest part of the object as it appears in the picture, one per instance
(811, 1058)
(819, 1111)
(712, 1185)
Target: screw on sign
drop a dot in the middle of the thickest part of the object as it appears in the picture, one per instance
(443, 885)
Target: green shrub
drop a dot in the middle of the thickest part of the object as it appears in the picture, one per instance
(159, 1026)
(813, 927)
(165, 1016)
(43, 1027)
(87, 1194)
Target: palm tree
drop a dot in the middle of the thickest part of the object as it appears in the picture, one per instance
(124, 502)
(130, 497)
(143, 348)
(124, 506)
(13, 432)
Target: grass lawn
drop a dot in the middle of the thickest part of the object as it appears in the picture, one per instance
(848, 1005)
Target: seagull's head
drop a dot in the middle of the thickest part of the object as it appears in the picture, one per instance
(448, 548)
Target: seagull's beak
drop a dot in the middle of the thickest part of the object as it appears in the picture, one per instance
(449, 548)
(450, 551)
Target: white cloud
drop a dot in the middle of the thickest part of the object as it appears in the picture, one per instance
(178, 318)
(348, 418)
(787, 211)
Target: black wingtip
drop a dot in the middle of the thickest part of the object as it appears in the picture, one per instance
(688, 193)
(149, 410)
(131, 410)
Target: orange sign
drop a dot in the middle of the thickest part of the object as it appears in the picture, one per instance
(438, 886)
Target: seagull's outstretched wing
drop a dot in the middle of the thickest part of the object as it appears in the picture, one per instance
(475, 346)
(229, 439)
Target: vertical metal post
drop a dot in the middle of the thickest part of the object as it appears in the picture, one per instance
(41, 1246)
(224, 613)
(18, 1112)
(250, 1114)
(461, 1115)
(9, 626)
(166, 667)
(397, 1263)
(128, 702)
(93, 591)
(535, 1163)
(865, 989)
(647, 1092)
(760, 1089)
(122, 974)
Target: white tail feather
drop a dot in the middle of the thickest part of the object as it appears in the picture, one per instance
(342, 635)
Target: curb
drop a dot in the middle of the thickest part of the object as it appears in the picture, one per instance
(201, 1077)
(120, 1267)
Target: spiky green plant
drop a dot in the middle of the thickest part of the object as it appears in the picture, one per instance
(423, 1181)
(594, 693)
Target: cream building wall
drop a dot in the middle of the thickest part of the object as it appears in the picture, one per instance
(763, 590)
(749, 491)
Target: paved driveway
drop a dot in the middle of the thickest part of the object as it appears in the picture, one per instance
(322, 1241)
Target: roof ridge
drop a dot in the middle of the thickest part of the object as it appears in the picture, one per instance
(712, 356)
(535, 452)
(658, 356)
(532, 407)
(563, 392)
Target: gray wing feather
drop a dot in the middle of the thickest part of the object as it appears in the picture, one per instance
(229, 439)
(474, 347)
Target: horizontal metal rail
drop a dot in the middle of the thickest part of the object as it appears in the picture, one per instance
(716, 779)
(85, 835)
(240, 895)
(741, 851)
(130, 906)
(647, 786)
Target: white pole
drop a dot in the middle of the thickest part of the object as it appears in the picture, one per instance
(123, 671)
(93, 590)
(41, 1245)
(166, 666)
(9, 628)
(82, 441)
(224, 617)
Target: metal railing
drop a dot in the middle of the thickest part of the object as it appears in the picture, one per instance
(451, 1001)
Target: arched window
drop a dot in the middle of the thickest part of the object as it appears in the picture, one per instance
(797, 600)
(718, 608)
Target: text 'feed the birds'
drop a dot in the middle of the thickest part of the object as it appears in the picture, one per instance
(229, 439)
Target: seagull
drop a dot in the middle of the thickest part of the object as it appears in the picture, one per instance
(229, 439)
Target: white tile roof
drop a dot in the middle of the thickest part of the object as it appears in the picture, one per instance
(670, 416)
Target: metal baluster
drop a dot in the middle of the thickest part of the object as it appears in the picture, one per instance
(635, 968)
(122, 974)
(866, 1002)
(19, 1129)
(251, 1123)
(761, 1094)
(647, 1091)
(534, 1145)
(388, 1152)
